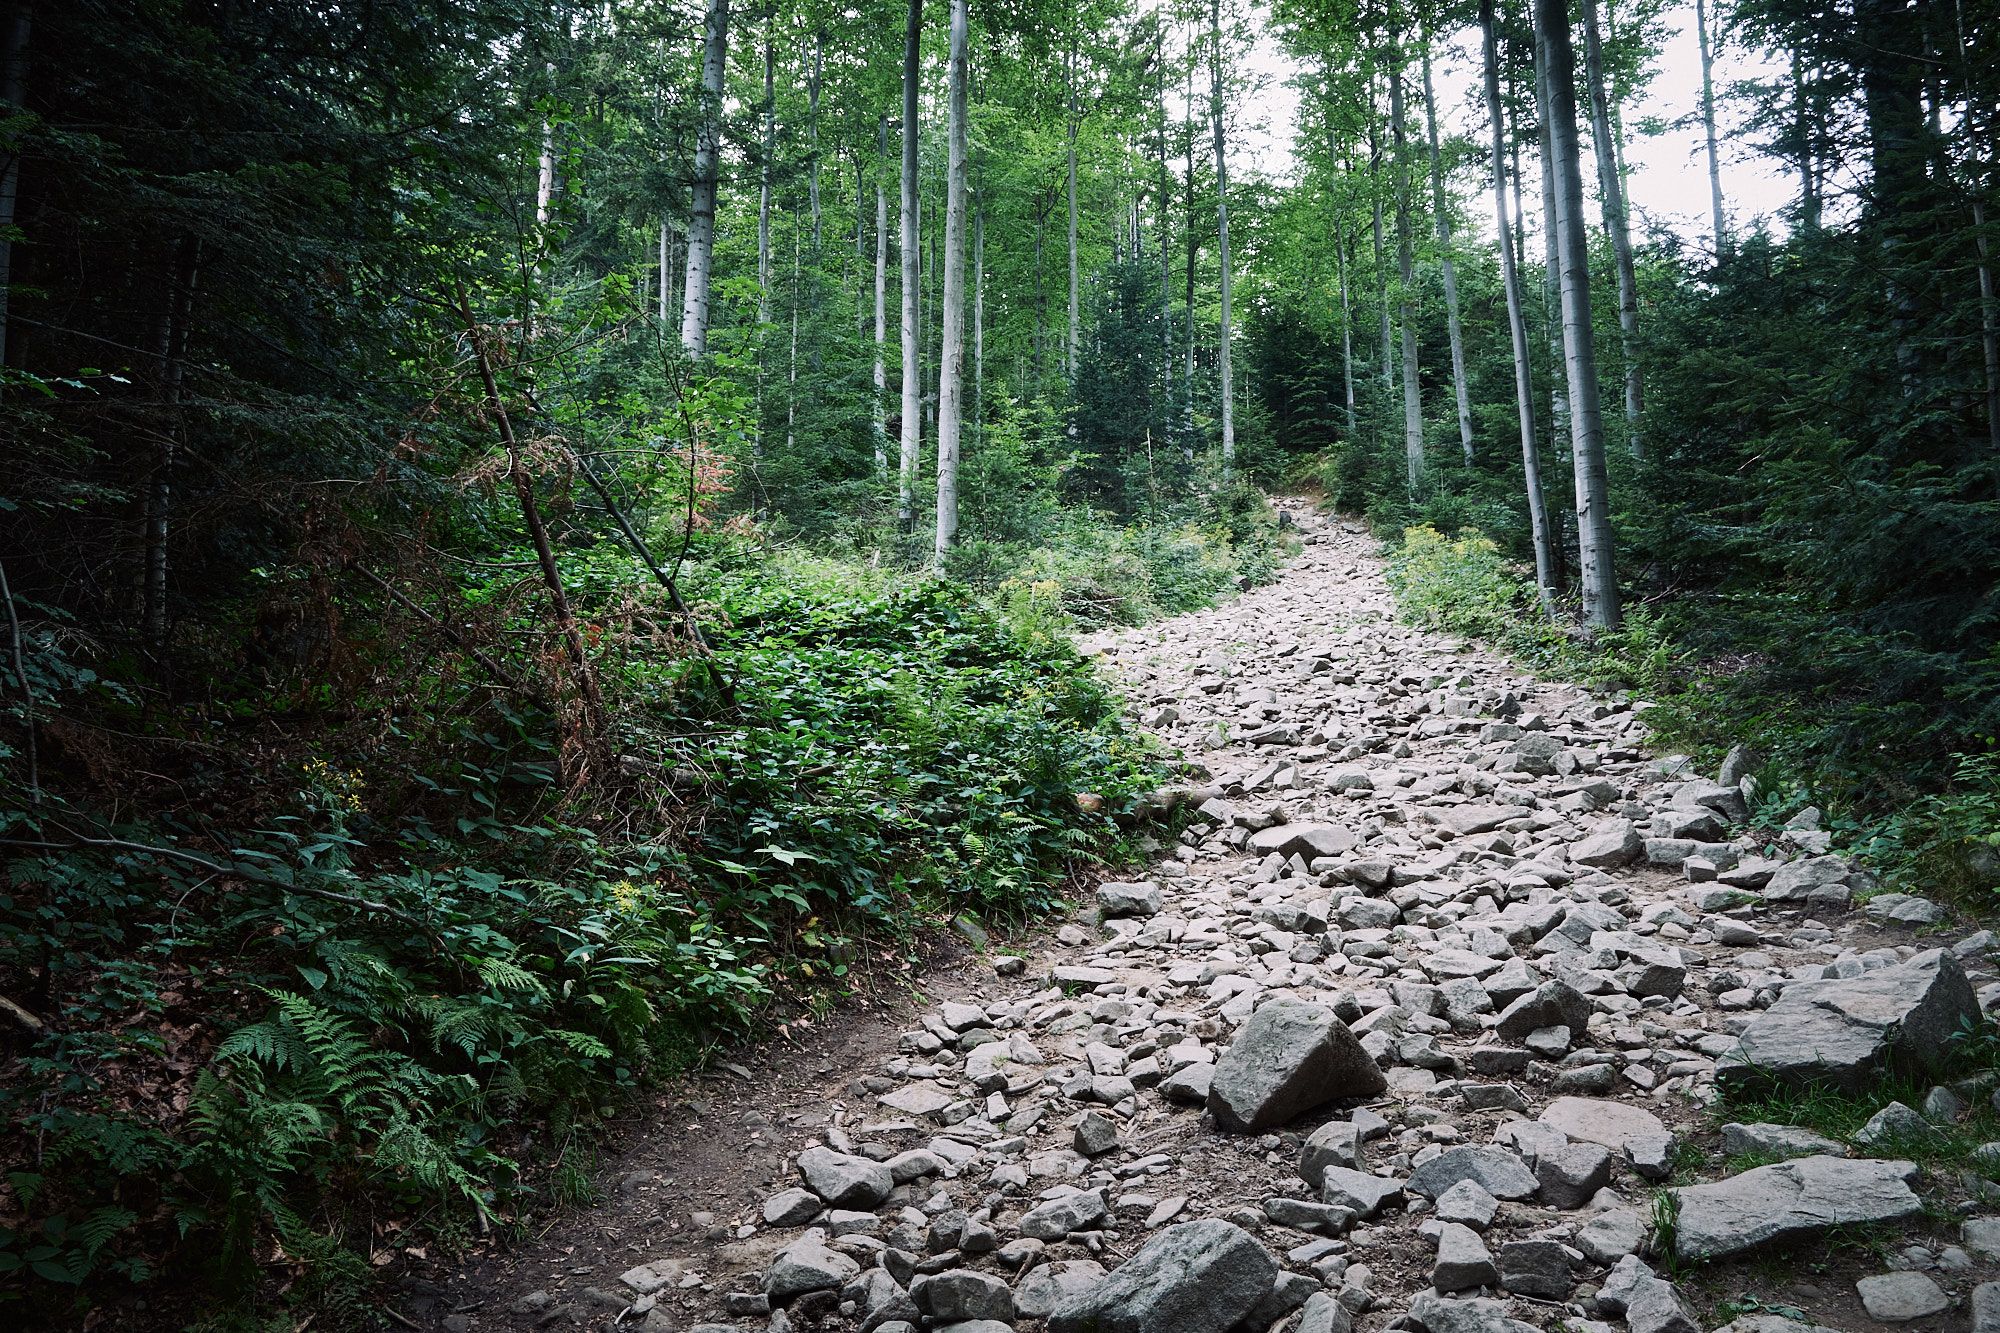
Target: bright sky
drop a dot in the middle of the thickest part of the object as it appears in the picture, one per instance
(1669, 171)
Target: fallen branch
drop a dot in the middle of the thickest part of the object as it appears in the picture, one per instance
(498, 672)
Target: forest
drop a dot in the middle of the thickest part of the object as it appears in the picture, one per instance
(547, 539)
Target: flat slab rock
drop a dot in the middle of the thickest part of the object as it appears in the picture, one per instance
(1601, 1120)
(1846, 1031)
(1790, 1201)
(1288, 1058)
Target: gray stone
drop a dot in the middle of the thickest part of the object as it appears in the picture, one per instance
(1897, 1298)
(1761, 1140)
(1612, 1235)
(1059, 1217)
(1096, 1134)
(1467, 1202)
(1336, 1143)
(806, 1265)
(1570, 1176)
(1197, 1277)
(1981, 1235)
(1366, 1195)
(1539, 1268)
(1330, 1219)
(1616, 844)
(1138, 898)
(1462, 1260)
(1985, 1308)
(791, 1208)
(1497, 1171)
(1189, 1084)
(1789, 1201)
(1600, 1120)
(1287, 1059)
(1323, 1314)
(845, 1181)
(1306, 840)
(1902, 909)
(1848, 1030)
(1770, 1323)
(1436, 1314)
(882, 1300)
(1551, 1004)
(961, 1293)
(1048, 1285)
(1894, 1124)
(1655, 1306)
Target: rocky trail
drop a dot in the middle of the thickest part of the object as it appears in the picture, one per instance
(1418, 1028)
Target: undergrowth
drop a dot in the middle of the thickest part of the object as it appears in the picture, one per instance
(381, 988)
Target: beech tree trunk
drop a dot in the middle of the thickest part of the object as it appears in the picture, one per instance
(912, 253)
(1557, 69)
(1448, 271)
(978, 314)
(1406, 315)
(1222, 242)
(812, 133)
(881, 298)
(1346, 324)
(1611, 191)
(1381, 262)
(1548, 551)
(707, 165)
(1708, 126)
(769, 115)
(1075, 341)
(951, 355)
(13, 93)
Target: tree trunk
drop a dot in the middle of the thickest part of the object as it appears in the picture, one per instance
(1708, 126)
(912, 253)
(1989, 307)
(1164, 209)
(666, 271)
(769, 115)
(1346, 324)
(1075, 341)
(1611, 191)
(881, 299)
(171, 340)
(707, 165)
(1559, 423)
(1406, 315)
(1222, 243)
(979, 314)
(1447, 269)
(1557, 62)
(951, 358)
(1548, 551)
(1381, 261)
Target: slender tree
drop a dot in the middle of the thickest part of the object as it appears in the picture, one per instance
(1548, 551)
(1611, 194)
(952, 355)
(912, 252)
(1447, 269)
(881, 297)
(1406, 313)
(1708, 125)
(1222, 241)
(707, 167)
(1556, 69)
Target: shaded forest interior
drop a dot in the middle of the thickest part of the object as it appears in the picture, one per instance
(543, 537)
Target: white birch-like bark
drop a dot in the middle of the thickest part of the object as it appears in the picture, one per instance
(1406, 314)
(1448, 270)
(1556, 61)
(769, 115)
(1074, 343)
(1611, 194)
(707, 166)
(1548, 553)
(1222, 358)
(951, 355)
(910, 242)
(1708, 126)
(881, 422)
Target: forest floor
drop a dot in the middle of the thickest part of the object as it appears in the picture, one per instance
(1406, 829)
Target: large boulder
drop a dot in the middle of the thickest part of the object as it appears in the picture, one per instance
(1788, 1201)
(1847, 1031)
(1129, 898)
(1307, 840)
(1495, 1170)
(1601, 1120)
(1288, 1058)
(1198, 1277)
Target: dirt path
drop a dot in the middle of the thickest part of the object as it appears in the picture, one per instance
(1480, 873)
